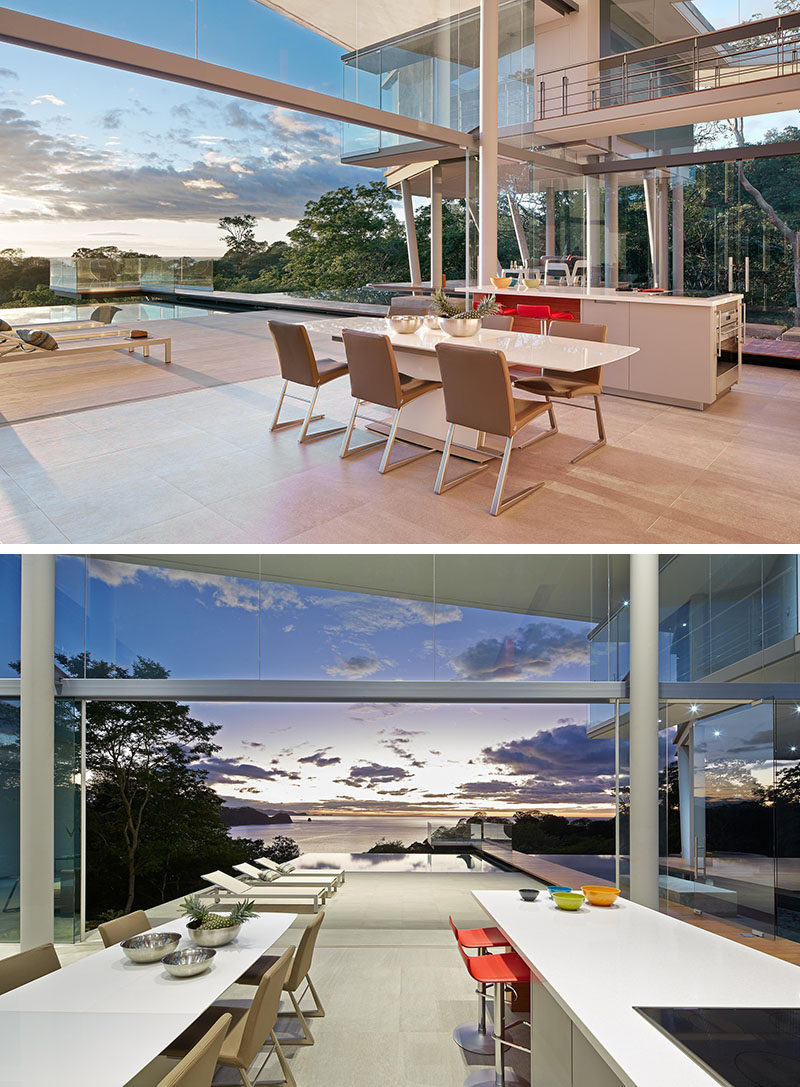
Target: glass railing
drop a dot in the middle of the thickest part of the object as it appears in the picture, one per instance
(762, 49)
(87, 275)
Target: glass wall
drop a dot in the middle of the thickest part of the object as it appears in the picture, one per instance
(9, 821)
(67, 785)
(385, 617)
(720, 613)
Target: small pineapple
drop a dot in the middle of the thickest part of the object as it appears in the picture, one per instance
(202, 917)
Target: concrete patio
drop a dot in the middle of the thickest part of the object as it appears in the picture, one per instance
(185, 457)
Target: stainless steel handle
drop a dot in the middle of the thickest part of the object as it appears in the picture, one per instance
(730, 273)
(746, 274)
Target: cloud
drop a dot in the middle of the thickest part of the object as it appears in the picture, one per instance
(557, 764)
(371, 774)
(538, 649)
(398, 741)
(6, 73)
(356, 667)
(269, 169)
(366, 615)
(321, 758)
(235, 771)
(288, 628)
(51, 98)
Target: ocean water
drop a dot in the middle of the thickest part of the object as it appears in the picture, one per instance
(342, 833)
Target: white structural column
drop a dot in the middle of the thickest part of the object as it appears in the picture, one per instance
(644, 730)
(550, 222)
(663, 230)
(436, 226)
(677, 231)
(411, 233)
(611, 248)
(36, 750)
(487, 184)
(593, 232)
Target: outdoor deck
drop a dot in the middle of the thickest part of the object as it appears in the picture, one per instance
(126, 449)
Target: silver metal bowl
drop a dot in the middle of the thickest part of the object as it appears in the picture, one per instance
(150, 946)
(190, 961)
(430, 320)
(214, 937)
(404, 323)
(460, 326)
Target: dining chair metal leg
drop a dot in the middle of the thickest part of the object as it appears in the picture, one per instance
(310, 417)
(318, 1011)
(385, 466)
(275, 425)
(287, 1072)
(499, 506)
(346, 451)
(308, 1037)
(544, 433)
(440, 486)
(601, 434)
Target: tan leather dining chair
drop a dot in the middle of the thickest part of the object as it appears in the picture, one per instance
(478, 394)
(409, 305)
(502, 322)
(122, 928)
(251, 1027)
(298, 364)
(27, 966)
(558, 385)
(198, 1066)
(299, 973)
(375, 379)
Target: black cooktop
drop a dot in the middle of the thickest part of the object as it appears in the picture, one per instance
(742, 1047)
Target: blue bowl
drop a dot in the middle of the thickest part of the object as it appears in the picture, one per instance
(556, 890)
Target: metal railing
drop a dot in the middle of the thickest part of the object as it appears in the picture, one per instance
(763, 49)
(98, 275)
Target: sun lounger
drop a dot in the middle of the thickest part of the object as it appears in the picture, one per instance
(227, 888)
(266, 877)
(13, 346)
(288, 869)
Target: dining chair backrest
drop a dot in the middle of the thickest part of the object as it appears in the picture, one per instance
(197, 1068)
(264, 1010)
(477, 388)
(301, 964)
(295, 353)
(373, 369)
(578, 330)
(27, 966)
(408, 305)
(501, 321)
(122, 928)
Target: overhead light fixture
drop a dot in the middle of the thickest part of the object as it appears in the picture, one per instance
(694, 708)
(793, 748)
(717, 732)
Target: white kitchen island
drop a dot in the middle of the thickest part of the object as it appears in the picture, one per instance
(689, 349)
(590, 969)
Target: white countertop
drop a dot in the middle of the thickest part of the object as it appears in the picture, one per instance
(100, 1020)
(600, 294)
(519, 348)
(598, 964)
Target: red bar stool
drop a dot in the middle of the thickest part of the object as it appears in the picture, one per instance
(502, 971)
(473, 1037)
(544, 314)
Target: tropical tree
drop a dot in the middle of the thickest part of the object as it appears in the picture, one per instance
(238, 233)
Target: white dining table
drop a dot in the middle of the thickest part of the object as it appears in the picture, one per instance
(424, 421)
(101, 1020)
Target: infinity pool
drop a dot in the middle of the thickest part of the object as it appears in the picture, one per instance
(397, 862)
(126, 313)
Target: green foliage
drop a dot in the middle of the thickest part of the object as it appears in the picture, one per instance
(449, 307)
(281, 850)
(382, 846)
(541, 832)
(202, 916)
(153, 824)
(238, 233)
(348, 237)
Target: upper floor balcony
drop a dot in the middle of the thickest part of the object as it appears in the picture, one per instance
(748, 69)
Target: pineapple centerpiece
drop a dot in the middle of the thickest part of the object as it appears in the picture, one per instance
(455, 319)
(210, 929)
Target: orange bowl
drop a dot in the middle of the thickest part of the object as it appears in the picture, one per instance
(501, 282)
(601, 896)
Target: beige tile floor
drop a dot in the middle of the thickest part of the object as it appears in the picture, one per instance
(201, 467)
(390, 977)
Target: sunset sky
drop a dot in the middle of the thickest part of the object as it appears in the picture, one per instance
(91, 156)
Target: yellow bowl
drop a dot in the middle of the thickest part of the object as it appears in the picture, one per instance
(568, 900)
(501, 281)
(601, 896)
(532, 284)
